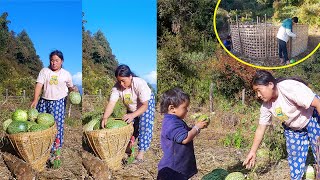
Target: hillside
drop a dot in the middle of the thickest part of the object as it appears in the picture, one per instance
(19, 61)
(98, 62)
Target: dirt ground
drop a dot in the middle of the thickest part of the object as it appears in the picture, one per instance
(209, 151)
(71, 159)
(210, 154)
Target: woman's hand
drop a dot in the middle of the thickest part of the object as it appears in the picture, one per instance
(128, 117)
(34, 104)
(201, 124)
(107, 113)
(250, 160)
(37, 92)
(104, 122)
(74, 88)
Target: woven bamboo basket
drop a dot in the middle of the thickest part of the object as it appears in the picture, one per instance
(110, 144)
(34, 147)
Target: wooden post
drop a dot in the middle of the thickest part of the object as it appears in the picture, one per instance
(7, 94)
(24, 95)
(211, 97)
(290, 48)
(82, 95)
(265, 36)
(69, 111)
(241, 48)
(100, 95)
(243, 96)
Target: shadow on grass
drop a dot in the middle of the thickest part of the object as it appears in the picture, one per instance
(6, 146)
(238, 167)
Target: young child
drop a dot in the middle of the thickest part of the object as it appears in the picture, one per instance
(228, 43)
(178, 161)
(295, 105)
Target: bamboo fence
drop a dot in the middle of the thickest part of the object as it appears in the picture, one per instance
(258, 40)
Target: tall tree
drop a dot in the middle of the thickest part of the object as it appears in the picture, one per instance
(18, 60)
(4, 32)
(98, 62)
(102, 52)
(26, 54)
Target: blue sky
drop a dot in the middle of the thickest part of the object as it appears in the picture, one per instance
(131, 29)
(51, 24)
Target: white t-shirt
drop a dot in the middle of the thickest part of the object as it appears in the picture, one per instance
(284, 34)
(291, 107)
(55, 84)
(132, 97)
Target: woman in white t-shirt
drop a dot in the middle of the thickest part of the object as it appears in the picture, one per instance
(55, 82)
(294, 104)
(139, 100)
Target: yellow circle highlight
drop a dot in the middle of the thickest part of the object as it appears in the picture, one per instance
(242, 61)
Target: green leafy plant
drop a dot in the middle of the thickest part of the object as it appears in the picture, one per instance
(275, 141)
(235, 139)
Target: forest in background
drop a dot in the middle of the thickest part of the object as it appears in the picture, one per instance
(308, 11)
(98, 62)
(189, 56)
(188, 53)
(19, 68)
(20, 64)
(19, 61)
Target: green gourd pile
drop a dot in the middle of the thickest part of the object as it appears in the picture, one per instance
(27, 121)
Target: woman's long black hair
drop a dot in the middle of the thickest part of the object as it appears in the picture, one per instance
(124, 71)
(263, 77)
(57, 53)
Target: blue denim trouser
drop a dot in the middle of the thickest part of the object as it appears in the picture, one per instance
(283, 52)
(143, 126)
(57, 108)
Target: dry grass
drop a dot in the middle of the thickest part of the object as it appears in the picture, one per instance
(71, 156)
(209, 150)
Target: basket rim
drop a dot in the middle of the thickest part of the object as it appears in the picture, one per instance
(105, 129)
